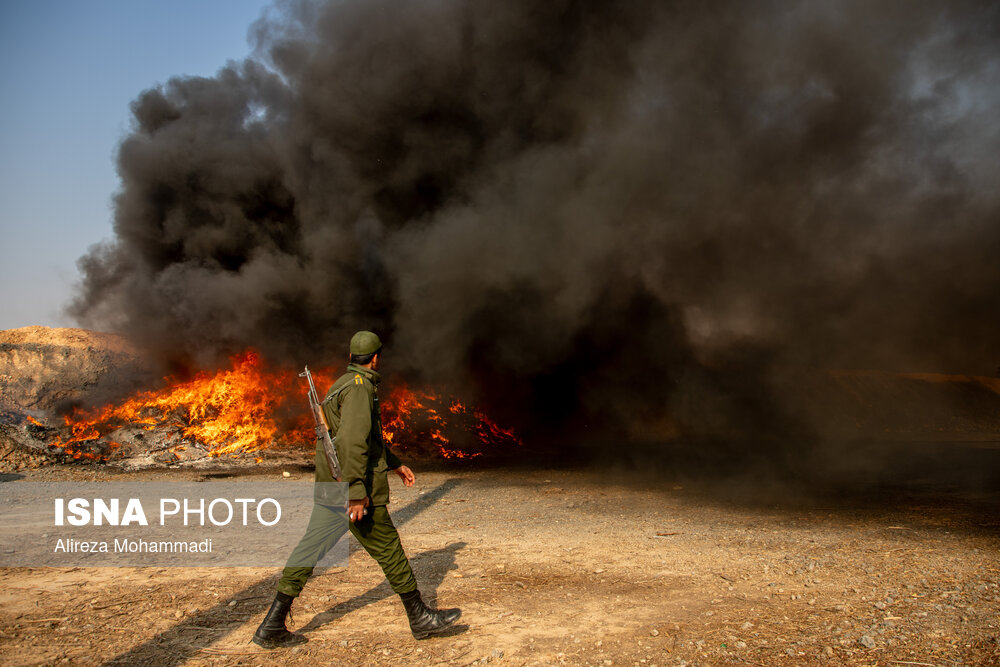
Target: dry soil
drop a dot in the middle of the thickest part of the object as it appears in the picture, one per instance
(562, 567)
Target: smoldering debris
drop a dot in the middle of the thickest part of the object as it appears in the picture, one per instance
(575, 207)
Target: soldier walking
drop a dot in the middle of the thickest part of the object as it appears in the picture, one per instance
(352, 412)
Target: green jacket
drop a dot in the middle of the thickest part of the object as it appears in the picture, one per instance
(352, 412)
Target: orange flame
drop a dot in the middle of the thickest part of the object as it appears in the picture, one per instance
(229, 412)
(251, 407)
(411, 416)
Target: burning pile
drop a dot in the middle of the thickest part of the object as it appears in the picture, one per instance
(251, 407)
(411, 418)
(229, 412)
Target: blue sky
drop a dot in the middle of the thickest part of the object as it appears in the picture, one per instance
(68, 71)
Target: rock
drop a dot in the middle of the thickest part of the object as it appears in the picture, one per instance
(44, 368)
(867, 641)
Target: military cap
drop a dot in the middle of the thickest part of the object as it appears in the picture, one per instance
(365, 342)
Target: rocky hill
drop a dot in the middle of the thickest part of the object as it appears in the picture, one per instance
(845, 405)
(43, 370)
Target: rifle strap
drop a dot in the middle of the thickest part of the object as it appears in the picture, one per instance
(334, 394)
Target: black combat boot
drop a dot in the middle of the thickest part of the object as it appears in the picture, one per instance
(425, 621)
(272, 632)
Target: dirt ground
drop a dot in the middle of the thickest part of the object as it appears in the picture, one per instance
(563, 567)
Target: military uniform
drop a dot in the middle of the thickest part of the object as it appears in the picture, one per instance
(352, 412)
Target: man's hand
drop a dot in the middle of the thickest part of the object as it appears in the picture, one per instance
(356, 509)
(406, 475)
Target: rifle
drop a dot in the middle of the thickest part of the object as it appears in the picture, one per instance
(322, 430)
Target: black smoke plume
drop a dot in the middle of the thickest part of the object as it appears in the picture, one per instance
(583, 209)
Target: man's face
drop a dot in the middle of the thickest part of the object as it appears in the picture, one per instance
(377, 358)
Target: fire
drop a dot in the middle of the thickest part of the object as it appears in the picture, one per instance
(251, 407)
(228, 412)
(412, 416)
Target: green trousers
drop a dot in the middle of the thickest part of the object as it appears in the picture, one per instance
(375, 532)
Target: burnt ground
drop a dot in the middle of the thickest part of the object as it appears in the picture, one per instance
(568, 567)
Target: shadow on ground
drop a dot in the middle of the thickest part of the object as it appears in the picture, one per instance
(429, 567)
(184, 640)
